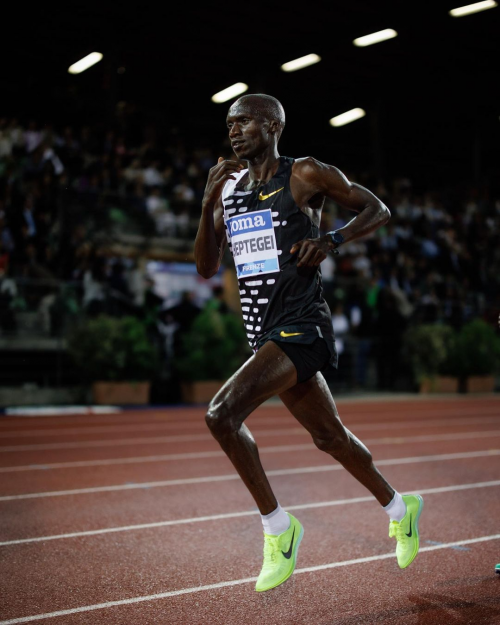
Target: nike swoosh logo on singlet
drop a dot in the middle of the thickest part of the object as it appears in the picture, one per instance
(285, 334)
(264, 197)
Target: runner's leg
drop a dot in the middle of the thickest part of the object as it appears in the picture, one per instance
(312, 404)
(269, 372)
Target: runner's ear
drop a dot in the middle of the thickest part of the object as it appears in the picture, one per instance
(274, 126)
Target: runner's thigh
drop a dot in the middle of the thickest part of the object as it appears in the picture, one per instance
(269, 372)
(311, 403)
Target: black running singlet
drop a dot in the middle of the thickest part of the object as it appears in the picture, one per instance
(261, 227)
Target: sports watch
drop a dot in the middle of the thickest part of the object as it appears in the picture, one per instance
(336, 237)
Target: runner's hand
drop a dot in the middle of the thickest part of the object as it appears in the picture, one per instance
(312, 252)
(217, 177)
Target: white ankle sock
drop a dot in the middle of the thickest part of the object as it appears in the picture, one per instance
(397, 508)
(276, 522)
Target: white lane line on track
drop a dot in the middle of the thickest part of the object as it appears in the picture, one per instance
(179, 438)
(237, 582)
(234, 515)
(255, 421)
(235, 476)
(118, 429)
(199, 455)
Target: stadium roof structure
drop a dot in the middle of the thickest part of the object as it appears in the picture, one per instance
(430, 94)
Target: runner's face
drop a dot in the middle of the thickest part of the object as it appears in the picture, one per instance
(248, 133)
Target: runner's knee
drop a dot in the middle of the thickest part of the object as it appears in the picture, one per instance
(220, 420)
(335, 443)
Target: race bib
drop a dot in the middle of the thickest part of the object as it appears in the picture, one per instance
(253, 243)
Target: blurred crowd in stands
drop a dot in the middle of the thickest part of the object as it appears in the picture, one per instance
(437, 260)
(44, 173)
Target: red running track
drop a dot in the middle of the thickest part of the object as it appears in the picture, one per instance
(138, 518)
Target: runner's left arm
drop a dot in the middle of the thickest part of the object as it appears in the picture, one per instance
(314, 179)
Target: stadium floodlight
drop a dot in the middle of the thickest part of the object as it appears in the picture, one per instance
(231, 92)
(83, 64)
(303, 61)
(347, 117)
(473, 8)
(377, 37)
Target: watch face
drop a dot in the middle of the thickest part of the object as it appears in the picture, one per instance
(337, 237)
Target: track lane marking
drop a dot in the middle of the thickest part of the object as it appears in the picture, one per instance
(178, 438)
(484, 417)
(234, 515)
(198, 455)
(257, 421)
(235, 476)
(237, 582)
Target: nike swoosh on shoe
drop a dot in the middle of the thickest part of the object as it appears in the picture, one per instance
(409, 535)
(288, 554)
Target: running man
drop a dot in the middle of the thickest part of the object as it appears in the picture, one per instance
(268, 212)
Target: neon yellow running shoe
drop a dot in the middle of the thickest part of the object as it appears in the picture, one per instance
(406, 531)
(280, 556)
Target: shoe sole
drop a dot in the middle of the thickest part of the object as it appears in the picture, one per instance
(295, 552)
(415, 526)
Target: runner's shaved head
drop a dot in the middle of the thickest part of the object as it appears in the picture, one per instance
(262, 105)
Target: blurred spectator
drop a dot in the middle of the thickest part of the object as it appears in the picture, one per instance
(180, 318)
(340, 324)
(152, 302)
(219, 301)
(155, 203)
(5, 140)
(166, 223)
(183, 192)
(183, 313)
(152, 176)
(32, 137)
(389, 328)
(8, 293)
(94, 293)
(117, 280)
(28, 217)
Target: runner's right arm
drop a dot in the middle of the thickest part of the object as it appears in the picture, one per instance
(211, 240)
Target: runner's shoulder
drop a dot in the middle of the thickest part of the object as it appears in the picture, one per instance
(308, 168)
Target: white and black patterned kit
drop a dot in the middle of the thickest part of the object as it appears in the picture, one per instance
(280, 294)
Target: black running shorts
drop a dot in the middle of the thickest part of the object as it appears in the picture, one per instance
(307, 347)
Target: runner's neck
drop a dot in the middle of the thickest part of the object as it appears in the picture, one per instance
(261, 172)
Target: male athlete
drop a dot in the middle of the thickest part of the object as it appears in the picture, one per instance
(268, 212)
